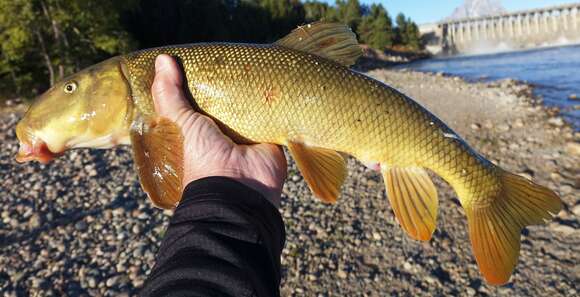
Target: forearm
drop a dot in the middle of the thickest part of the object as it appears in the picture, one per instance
(224, 238)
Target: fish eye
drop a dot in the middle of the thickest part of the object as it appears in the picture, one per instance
(70, 87)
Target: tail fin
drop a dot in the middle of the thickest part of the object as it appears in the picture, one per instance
(494, 229)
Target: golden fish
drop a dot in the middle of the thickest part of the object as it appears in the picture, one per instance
(297, 92)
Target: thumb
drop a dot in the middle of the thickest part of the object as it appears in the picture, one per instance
(166, 89)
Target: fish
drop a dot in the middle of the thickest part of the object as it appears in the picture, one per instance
(298, 92)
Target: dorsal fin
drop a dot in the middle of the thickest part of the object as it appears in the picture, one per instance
(333, 41)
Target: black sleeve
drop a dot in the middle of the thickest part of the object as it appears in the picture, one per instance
(224, 239)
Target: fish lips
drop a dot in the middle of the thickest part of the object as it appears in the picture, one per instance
(37, 151)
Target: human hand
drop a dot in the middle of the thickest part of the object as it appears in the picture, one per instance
(209, 152)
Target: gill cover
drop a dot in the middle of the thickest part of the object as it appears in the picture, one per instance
(91, 108)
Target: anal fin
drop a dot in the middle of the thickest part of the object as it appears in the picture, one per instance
(324, 170)
(413, 198)
(158, 154)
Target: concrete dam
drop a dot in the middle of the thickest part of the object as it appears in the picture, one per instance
(551, 26)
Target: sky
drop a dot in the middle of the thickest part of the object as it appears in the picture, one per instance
(428, 11)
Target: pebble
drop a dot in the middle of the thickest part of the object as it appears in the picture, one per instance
(112, 281)
(35, 221)
(573, 148)
(558, 122)
(576, 210)
(564, 229)
(81, 225)
(503, 127)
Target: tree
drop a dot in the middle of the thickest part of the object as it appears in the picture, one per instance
(316, 11)
(285, 15)
(407, 33)
(413, 36)
(376, 28)
(401, 30)
(349, 13)
(57, 35)
(46, 40)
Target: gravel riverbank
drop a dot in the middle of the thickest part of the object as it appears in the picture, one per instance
(81, 226)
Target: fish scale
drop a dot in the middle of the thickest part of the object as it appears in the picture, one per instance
(313, 104)
(297, 92)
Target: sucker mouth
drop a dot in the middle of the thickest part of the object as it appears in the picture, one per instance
(38, 151)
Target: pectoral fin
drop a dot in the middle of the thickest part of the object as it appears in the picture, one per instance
(158, 153)
(324, 170)
(414, 200)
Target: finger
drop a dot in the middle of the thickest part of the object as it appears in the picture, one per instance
(167, 88)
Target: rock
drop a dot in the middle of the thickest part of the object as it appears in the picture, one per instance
(556, 121)
(113, 281)
(564, 229)
(38, 282)
(81, 225)
(573, 148)
(136, 229)
(475, 126)
(341, 274)
(573, 97)
(503, 127)
(576, 210)
(556, 177)
(91, 282)
(138, 283)
(35, 221)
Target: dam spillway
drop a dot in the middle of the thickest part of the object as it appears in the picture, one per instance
(557, 25)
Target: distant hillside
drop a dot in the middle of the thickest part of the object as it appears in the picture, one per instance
(477, 8)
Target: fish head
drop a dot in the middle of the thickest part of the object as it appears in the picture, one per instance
(90, 109)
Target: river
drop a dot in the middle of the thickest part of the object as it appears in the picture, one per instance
(554, 72)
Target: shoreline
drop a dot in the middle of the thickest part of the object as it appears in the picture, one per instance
(82, 225)
(534, 97)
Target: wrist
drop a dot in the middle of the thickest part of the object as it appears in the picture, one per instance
(270, 192)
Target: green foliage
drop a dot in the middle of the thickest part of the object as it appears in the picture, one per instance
(285, 15)
(46, 40)
(376, 28)
(316, 11)
(349, 12)
(407, 33)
